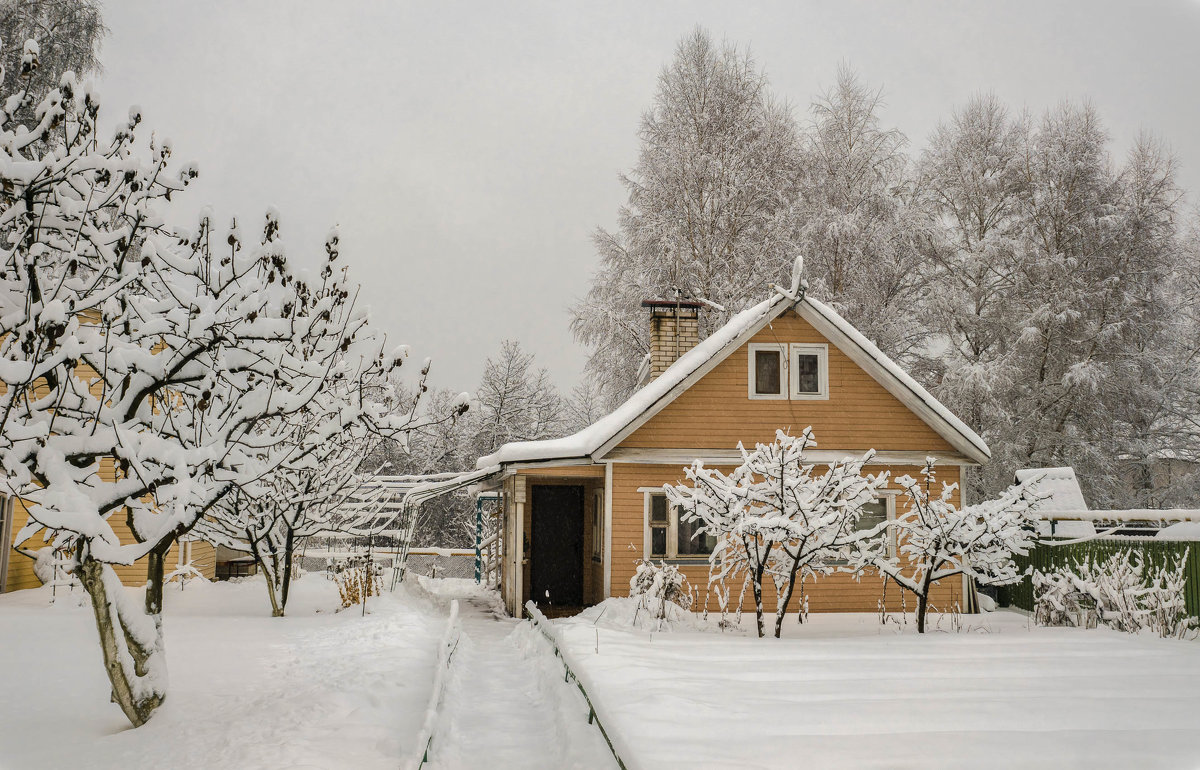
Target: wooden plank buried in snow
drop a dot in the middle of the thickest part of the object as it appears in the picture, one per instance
(543, 625)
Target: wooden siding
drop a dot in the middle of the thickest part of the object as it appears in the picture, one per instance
(716, 412)
(834, 593)
(20, 567)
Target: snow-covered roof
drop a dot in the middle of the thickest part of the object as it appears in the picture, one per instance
(1180, 530)
(1058, 489)
(594, 441)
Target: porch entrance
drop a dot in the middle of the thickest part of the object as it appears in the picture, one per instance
(556, 545)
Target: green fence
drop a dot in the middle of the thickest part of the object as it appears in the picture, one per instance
(1156, 553)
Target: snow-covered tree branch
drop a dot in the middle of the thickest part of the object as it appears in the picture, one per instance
(939, 540)
(773, 516)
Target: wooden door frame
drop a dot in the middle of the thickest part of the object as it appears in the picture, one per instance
(584, 558)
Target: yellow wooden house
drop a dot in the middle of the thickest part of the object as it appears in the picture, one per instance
(579, 513)
(17, 563)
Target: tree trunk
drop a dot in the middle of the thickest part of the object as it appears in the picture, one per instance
(289, 546)
(155, 575)
(758, 599)
(785, 600)
(923, 601)
(276, 609)
(130, 641)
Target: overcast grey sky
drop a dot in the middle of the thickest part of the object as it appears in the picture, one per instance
(468, 150)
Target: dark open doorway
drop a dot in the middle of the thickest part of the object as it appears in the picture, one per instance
(556, 568)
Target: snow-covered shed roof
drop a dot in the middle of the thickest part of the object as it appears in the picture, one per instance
(1181, 530)
(596, 440)
(1058, 489)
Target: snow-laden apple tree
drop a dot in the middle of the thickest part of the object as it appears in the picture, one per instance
(939, 541)
(140, 365)
(774, 516)
(314, 492)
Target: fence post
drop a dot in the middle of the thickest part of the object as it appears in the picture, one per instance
(478, 539)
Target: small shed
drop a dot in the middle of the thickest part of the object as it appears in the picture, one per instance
(1058, 491)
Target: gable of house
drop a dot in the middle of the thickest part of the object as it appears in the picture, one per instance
(716, 412)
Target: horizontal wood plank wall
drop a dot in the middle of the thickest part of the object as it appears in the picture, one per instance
(716, 412)
(589, 471)
(834, 593)
(204, 558)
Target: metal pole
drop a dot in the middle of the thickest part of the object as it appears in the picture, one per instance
(478, 539)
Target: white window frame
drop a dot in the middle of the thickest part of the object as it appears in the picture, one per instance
(821, 350)
(784, 361)
(672, 530)
(889, 496)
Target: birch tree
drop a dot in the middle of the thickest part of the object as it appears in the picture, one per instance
(859, 231)
(710, 210)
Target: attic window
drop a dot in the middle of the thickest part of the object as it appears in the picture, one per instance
(768, 371)
(810, 371)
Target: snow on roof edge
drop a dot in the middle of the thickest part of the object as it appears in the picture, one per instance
(1058, 489)
(904, 377)
(585, 442)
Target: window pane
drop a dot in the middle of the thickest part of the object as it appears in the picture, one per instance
(806, 372)
(658, 541)
(691, 544)
(658, 509)
(873, 513)
(766, 372)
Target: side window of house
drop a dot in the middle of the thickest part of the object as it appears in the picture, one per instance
(768, 371)
(672, 538)
(875, 513)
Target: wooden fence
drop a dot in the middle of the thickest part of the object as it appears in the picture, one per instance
(1044, 558)
(620, 752)
(446, 649)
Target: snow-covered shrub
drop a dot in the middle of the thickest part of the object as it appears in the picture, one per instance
(1120, 591)
(184, 574)
(657, 586)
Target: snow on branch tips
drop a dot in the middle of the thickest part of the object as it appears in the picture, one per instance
(147, 373)
(939, 541)
(774, 516)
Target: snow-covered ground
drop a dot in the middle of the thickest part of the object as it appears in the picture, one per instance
(325, 689)
(843, 691)
(318, 689)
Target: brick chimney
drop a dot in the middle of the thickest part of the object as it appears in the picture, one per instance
(674, 330)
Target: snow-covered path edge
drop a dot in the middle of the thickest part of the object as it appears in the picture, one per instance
(446, 648)
(621, 751)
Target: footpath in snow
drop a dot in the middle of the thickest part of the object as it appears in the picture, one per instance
(506, 704)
